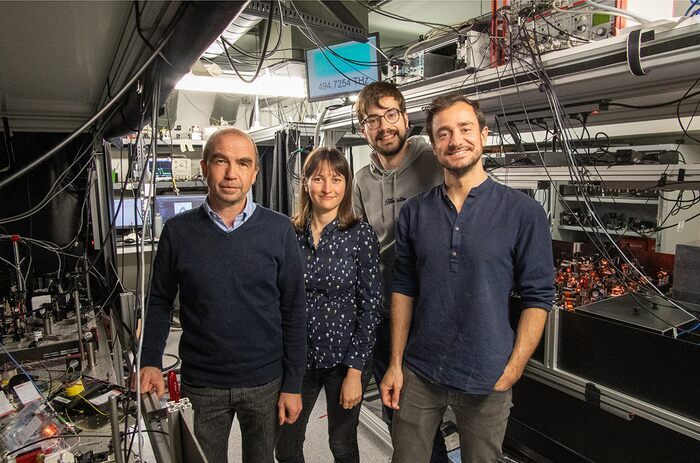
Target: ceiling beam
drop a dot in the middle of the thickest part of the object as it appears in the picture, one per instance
(301, 19)
(340, 11)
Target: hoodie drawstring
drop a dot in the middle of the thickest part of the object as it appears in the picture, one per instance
(393, 194)
(383, 197)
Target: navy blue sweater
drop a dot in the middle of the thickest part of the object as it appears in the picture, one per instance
(242, 304)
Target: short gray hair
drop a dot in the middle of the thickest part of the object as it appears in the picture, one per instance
(227, 131)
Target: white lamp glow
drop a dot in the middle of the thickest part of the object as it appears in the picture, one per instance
(651, 9)
(265, 85)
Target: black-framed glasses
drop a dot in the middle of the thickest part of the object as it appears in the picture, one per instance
(392, 116)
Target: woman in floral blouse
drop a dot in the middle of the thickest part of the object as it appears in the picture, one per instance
(343, 296)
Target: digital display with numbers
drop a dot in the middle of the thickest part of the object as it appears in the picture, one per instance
(342, 69)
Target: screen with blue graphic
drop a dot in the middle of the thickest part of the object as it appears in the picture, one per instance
(342, 69)
(163, 170)
(169, 206)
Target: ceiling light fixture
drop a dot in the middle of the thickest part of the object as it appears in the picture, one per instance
(269, 85)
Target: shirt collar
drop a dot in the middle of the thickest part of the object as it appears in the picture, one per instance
(475, 192)
(245, 213)
(329, 228)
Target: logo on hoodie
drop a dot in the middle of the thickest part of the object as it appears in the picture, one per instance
(388, 201)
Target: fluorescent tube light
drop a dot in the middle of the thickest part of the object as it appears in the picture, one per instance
(265, 85)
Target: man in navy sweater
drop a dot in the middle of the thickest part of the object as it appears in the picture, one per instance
(237, 269)
(461, 248)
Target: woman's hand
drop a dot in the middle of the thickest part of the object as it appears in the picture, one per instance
(351, 391)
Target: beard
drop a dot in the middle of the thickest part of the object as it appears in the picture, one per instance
(463, 169)
(392, 150)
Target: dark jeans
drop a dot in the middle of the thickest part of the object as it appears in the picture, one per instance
(256, 407)
(481, 421)
(382, 354)
(342, 423)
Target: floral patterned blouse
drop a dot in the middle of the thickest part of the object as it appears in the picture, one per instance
(343, 294)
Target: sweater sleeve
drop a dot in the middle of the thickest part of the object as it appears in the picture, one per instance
(368, 298)
(357, 204)
(290, 281)
(160, 303)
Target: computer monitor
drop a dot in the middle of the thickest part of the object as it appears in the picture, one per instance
(169, 206)
(342, 69)
(163, 169)
(129, 215)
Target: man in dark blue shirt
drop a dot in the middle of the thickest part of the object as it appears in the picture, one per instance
(461, 249)
(399, 167)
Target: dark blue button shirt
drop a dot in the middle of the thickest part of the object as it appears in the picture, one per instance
(460, 270)
(343, 294)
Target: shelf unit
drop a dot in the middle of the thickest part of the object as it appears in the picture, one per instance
(616, 200)
(611, 232)
(586, 78)
(625, 207)
(583, 77)
(167, 185)
(266, 135)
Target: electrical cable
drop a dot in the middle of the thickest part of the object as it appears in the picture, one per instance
(270, 53)
(619, 12)
(693, 3)
(658, 105)
(138, 26)
(50, 195)
(397, 17)
(591, 237)
(625, 258)
(175, 364)
(542, 74)
(141, 281)
(21, 368)
(323, 49)
(109, 436)
(264, 50)
(680, 122)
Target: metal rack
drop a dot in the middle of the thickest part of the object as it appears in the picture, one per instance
(584, 77)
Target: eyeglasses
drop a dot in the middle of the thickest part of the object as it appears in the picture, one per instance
(392, 116)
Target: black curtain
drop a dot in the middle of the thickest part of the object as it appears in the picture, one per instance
(274, 188)
(60, 221)
(199, 25)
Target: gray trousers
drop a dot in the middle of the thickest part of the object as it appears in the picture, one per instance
(481, 421)
(214, 410)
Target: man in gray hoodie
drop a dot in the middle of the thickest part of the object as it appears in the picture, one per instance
(400, 167)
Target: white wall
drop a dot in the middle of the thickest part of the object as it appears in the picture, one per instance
(360, 157)
(194, 108)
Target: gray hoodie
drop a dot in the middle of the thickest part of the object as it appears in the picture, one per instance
(377, 197)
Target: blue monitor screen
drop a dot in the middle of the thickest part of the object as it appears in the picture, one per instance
(129, 215)
(163, 170)
(169, 206)
(341, 69)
